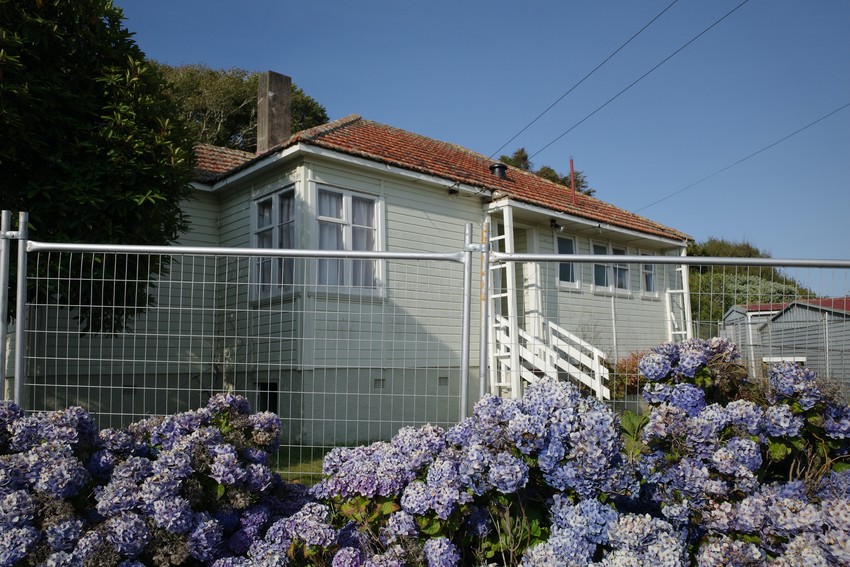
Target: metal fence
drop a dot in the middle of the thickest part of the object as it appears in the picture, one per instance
(348, 347)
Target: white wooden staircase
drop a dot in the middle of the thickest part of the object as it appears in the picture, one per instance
(524, 359)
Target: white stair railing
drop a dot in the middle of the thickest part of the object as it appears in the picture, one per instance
(562, 352)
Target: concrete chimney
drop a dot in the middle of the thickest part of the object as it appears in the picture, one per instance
(274, 110)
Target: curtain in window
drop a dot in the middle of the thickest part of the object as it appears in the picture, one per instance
(363, 238)
(286, 237)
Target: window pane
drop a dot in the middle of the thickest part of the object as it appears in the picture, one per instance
(330, 204)
(600, 274)
(330, 236)
(566, 272)
(362, 239)
(600, 271)
(363, 212)
(621, 274)
(287, 208)
(264, 213)
(264, 239)
(363, 273)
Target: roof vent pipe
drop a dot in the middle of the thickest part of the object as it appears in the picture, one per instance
(500, 170)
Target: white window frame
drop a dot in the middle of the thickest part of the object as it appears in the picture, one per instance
(281, 270)
(575, 282)
(346, 222)
(612, 271)
(620, 268)
(649, 270)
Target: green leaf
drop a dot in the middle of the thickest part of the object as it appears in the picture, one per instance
(778, 450)
(429, 526)
(388, 508)
(219, 491)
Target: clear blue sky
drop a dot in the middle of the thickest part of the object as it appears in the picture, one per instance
(475, 72)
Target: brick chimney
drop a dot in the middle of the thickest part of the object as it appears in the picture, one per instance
(274, 110)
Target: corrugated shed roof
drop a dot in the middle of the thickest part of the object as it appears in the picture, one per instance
(356, 136)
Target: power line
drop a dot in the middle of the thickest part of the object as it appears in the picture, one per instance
(551, 106)
(636, 81)
(743, 159)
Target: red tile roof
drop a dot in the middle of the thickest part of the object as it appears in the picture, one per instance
(356, 136)
(211, 162)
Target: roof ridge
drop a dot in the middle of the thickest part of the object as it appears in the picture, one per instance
(324, 129)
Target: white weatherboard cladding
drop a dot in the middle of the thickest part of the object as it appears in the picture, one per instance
(362, 330)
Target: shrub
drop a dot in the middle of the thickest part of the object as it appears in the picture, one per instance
(722, 470)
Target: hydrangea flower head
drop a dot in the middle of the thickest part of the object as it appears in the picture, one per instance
(654, 366)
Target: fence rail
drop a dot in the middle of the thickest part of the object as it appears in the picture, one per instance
(347, 347)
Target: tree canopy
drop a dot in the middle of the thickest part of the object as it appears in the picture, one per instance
(520, 159)
(220, 105)
(90, 145)
(714, 289)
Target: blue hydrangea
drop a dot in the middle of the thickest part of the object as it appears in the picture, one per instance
(399, 524)
(590, 518)
(128, 533)
(15, 544)
(745, 415)
(174, 515)
(507, 473)
(657, 392)
(347, 557)
(690, 361)
(837, 422)
(62, 478)
(63, 536)
(654, 366)
(205, 539)
(17, 509)
(780, 421)
(441, 552)
(793, 382)
(688, 397)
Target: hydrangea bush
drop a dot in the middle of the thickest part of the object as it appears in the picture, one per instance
(723, 470)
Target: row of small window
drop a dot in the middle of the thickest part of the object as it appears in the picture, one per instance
(345, 221)
(604, 275)
(349, 221)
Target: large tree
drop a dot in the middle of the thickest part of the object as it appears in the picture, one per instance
(521, 160)
(220, 105)
(91, 146)
(714, 289)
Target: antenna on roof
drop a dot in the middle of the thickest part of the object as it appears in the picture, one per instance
(573, 179)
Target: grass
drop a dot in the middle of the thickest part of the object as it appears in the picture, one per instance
(299, 464)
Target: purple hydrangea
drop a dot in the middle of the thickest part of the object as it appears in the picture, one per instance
(654, 366)
(128, 533)
(780, 421)
(691, 360)
(63, 536)
(205, 539)
(15, 544)
(688, 397)
(441, 552)
(507, 473)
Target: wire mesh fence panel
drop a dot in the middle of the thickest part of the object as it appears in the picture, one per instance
(349, 349)
(345, 351)
(591, 320)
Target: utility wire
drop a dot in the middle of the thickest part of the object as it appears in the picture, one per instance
(551, 106)
(743, 159)
(636, 81)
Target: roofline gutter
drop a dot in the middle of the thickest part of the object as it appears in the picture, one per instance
(508, 202)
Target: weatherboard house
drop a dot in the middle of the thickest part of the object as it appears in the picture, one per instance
(401, 191)
(311, 333)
